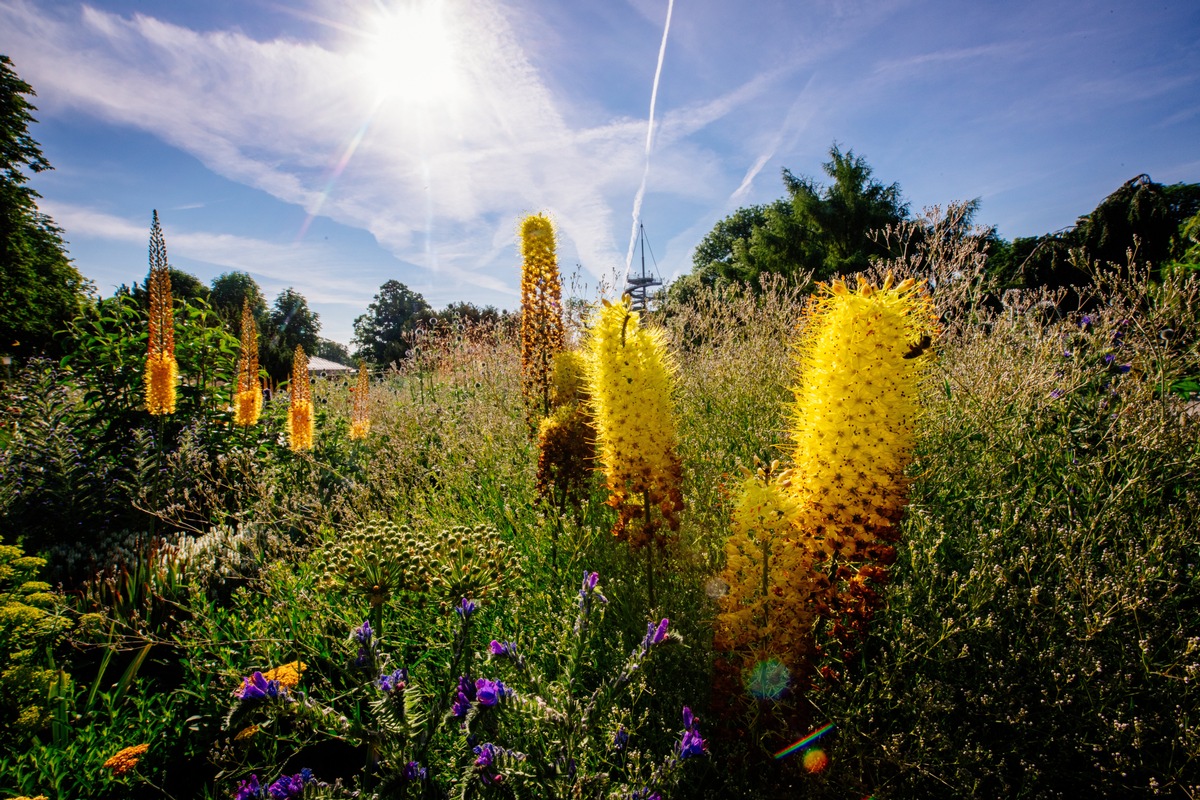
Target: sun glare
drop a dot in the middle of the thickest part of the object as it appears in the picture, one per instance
(408, 54)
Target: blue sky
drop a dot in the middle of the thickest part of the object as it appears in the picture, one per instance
(332, 145)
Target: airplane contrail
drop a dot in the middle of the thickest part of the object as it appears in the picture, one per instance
(641, 192)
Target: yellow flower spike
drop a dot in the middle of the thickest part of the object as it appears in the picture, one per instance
(126, 759)
(629, 379)
(162, 370)
(300, 423)
(860, 364)
(763, 611)
(542, 330)
(248, 399)
(360, 415)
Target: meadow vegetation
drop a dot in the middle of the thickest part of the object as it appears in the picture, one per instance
(408, 611)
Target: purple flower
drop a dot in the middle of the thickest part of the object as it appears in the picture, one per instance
(362, 660)
(692, 743)
(645, 794)
(1067, 354)
(364, 633)
(464, 697)
(1110, 358)
(394, 682)
(589, 581)
(502, 648)
(1087, 320)
(287, 786)
(1124, 368)
(414, 771)
(465, 608)
(621, 738)
(1057, 393)
(488, 693)
(486, 754)
(249, 790)
(655, 635)
(256, 687)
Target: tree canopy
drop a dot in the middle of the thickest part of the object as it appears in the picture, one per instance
(385, 333)
(817, 228)
(291, 322)
(226, 295)
(40, 289)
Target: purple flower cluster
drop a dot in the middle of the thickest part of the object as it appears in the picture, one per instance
(290, 785)
(256, 687)
(645, 794)
(488, 693)
(285, 787)
(364, 633)
(414, 772)
(588, 589)
(486, 754)
(692, 743)
(655, 635)
(621, 738)
(503, 649)
(465, 608)
(466, 696)
(395, 682)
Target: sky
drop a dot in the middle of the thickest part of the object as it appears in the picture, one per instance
(333, 145)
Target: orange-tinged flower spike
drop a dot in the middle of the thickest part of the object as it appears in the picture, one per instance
(162, 370)
(629, 377)
(248, 399)
(300, 423)
(360, 416)
(542, 331)
(764, 614)
(860, 365)
(126, 759)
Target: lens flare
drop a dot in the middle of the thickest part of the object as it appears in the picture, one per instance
(815, 760)
(768, 680)
(805, 742)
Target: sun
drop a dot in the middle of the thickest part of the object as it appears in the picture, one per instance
(407, 53)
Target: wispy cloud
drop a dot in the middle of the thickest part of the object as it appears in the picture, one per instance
(430, 180)
(307, 267)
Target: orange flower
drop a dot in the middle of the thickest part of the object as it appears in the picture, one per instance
(162, 371)
(300, 412)
(126, 760)
(247, 402)
(360, 416)
(287, 674)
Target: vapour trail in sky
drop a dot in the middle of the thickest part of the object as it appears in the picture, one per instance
(641, 192)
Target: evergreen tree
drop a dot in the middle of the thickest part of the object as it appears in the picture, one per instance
(40, 289)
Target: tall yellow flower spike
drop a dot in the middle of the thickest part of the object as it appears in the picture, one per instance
(300, 424)
(542, 331)
(248, 400)
(860, 360)
(360, 415)
(162, 370)
(629, 375)
(763, 614)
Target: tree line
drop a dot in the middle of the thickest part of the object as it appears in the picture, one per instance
(825, 229)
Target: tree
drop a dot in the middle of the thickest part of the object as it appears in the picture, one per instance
(384, 333)
(40, 289)
(333, 351)
(226, 294)
(715, 256)
(290, 323)
(825, 230)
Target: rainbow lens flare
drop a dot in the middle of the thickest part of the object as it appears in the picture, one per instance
(805, 742)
